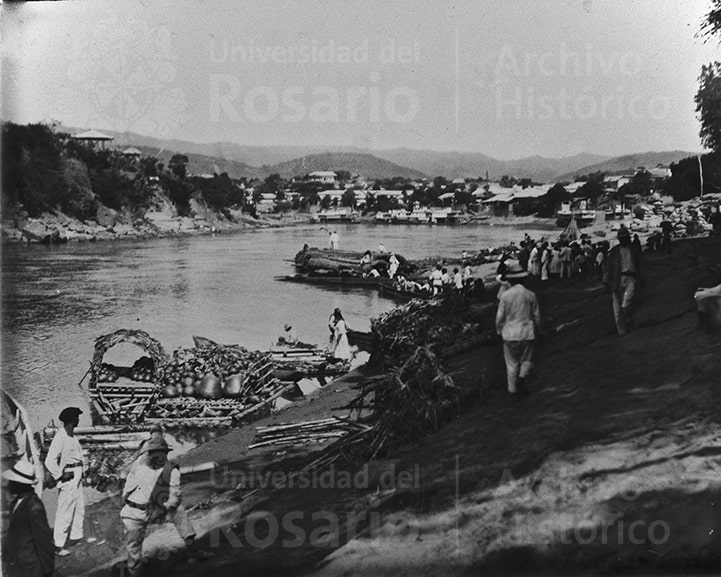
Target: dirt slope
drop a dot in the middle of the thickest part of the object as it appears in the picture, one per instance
(610, 465)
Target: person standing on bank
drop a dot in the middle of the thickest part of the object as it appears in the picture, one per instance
(622, 277)
(27, 547)
(334, 240)
(518, 322)
(152, 491)
(65, 464)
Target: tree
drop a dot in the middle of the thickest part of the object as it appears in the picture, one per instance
(593, 187)
(272, 183)
(708, 97)
(348, 198)
(507, 181)
(178, 164)
(548, 203)
(708, 106)
(343, 176)
(712, 22)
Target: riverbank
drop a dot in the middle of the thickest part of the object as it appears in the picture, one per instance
(116, 225)
(163, 221)
(610, 465)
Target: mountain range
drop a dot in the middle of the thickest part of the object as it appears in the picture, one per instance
(294, 160)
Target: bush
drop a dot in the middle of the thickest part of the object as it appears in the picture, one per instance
(32, 170)
(179, 193)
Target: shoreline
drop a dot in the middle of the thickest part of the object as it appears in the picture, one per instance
(113, 226)
(597, 442)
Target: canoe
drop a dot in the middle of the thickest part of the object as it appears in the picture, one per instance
(403, 295)
(335, 281)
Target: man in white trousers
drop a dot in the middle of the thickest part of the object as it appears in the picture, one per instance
(65, 463)
(518, 322)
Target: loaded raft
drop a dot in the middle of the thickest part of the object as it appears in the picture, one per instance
(208, 385)
(190, 395)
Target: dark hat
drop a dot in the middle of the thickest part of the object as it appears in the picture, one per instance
(514, 270)
(69, 414)
(336, 310)
(287, 327)
(623, 231)
(156, 443)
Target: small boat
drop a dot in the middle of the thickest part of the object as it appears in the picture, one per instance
(396, 294)
(337, 215)
(336, 281)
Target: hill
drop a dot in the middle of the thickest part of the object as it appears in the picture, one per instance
(200, 164)
(366, 165)
(474, 164)
(269, 159)
(628, 163)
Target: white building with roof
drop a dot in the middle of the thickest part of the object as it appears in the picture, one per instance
(323, 176)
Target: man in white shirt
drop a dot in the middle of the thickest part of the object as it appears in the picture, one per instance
(437, 280)
(518, 322)
(334, 240)
(65, 463)
(457, 280)
(152, 491)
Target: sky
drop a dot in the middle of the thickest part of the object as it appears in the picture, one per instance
(505, 78)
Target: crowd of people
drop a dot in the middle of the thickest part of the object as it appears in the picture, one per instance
(518, 319)
(564, 259)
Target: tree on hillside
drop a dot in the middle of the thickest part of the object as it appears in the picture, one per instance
(178, 165)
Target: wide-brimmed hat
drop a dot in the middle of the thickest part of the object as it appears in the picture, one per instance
(69, 414)
(623, 232)
(22, 472)
(514, 270)
(156, 443)
(287, 327)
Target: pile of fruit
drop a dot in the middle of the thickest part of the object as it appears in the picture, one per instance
(215, 372)
(108, 373)
(143, 370)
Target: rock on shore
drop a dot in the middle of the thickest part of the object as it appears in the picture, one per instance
(110, 224)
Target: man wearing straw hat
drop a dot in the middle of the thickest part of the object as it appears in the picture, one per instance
(65, 463)
(518, 322)
(622, 277)
(152, 491)
(28, 542)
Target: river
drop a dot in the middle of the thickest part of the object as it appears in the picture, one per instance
(58, 299)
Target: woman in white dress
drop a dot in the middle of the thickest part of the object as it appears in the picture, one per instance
(341, 347)
(545, 261)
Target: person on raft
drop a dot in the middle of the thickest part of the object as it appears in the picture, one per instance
(340, 345)
(288, 337)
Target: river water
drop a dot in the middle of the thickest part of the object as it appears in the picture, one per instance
(57, 299)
